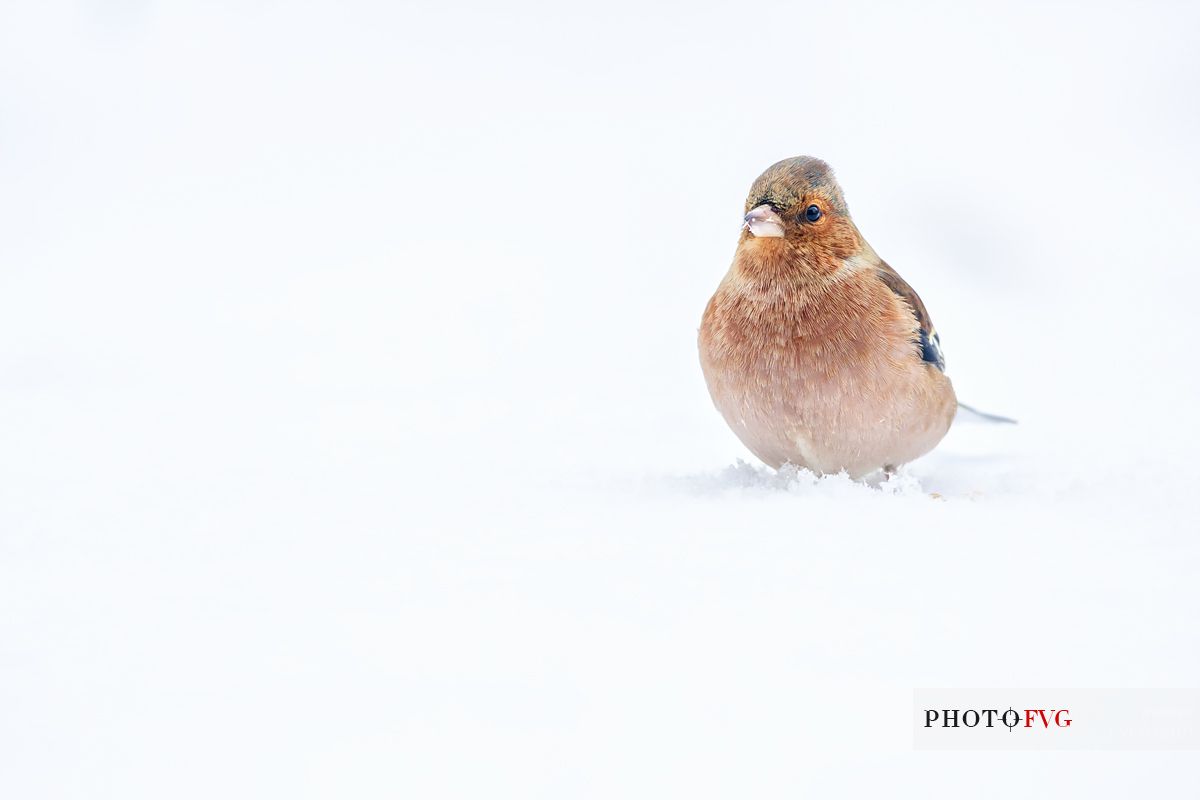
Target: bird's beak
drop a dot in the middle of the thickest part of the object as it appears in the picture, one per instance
(763, 222)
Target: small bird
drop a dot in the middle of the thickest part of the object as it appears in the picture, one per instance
(815, 351)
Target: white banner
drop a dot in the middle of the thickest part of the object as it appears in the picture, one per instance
(1056, 719)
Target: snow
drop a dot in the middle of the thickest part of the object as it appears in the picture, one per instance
(353, 440)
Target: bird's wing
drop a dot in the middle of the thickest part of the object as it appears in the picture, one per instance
(931, 347)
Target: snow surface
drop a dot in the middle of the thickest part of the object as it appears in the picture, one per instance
(353, 441)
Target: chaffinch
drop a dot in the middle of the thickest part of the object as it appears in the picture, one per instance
(816, 352)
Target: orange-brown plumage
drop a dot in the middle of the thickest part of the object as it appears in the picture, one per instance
(816, 352)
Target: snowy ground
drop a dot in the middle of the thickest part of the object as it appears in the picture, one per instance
(353, 444)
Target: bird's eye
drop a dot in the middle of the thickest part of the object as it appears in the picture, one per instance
(812, 213)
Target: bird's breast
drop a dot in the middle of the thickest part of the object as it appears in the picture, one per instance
(815, 374)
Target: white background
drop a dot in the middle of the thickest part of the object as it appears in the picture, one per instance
(353, 441)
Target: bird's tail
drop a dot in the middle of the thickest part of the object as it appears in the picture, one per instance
(985, 417)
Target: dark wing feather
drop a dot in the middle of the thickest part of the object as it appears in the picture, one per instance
(926, 336)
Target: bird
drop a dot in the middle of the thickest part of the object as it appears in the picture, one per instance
(815, 351)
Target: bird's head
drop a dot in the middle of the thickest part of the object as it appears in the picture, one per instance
(795, 210)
